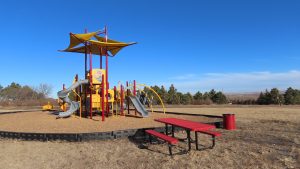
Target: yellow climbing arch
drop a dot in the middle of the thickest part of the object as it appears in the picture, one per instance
(162, 103)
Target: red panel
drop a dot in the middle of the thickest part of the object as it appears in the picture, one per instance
(169, 139)
(193, 126)
(213, 133)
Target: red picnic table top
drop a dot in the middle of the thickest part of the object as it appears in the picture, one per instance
(191, 125)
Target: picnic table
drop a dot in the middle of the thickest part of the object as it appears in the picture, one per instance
(187, 125)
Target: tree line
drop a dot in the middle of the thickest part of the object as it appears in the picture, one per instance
(274, 96)
(289, 97)
(172, 96)
(16, 94)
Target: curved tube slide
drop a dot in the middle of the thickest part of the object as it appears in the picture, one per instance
(63, 95)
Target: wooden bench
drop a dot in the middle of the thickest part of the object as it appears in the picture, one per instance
(211, 133)
(170, 140)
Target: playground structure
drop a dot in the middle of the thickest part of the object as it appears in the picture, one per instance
(92, 96)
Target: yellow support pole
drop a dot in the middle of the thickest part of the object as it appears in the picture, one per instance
(116, 108)
(146, 98)
(80, 105)
(156, 95)
(119, 89)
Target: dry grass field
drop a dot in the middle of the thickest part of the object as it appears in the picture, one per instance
(267, 137)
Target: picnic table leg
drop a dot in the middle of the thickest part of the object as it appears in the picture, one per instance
(189, 138)
(214, 142)
(166, 129)
(170, 149)
(196, 137)
(150, 138)
(173, 131)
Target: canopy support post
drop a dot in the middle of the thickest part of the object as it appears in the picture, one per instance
(102, 98)
(100, 61)
(106, 73)
(85, 75)
(91, 85)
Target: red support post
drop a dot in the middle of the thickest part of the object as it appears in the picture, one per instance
(77, 89)
(134, 93)
(115, 93)
(102, 98)
(106, 73)
(85, 76)
(122, 96)
(85, 57)
(134, 88)
(127, 97)
(100, 54)
(91, 85)
(115, 98)
(107, 105)
(100, 61)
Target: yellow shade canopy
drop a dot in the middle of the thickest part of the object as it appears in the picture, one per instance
(98, 46)
(102, 39)
(76, 39)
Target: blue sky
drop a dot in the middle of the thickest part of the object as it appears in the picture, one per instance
(233, 46)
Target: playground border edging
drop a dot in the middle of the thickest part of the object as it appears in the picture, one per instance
(78, 137)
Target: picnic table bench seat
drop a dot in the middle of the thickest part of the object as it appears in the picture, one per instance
(208, 132)
(170, 140)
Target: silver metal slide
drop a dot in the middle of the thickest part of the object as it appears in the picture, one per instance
(139, 106)
(63, 95)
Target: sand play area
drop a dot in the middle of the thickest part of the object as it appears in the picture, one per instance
(45, 122)
(267, 137)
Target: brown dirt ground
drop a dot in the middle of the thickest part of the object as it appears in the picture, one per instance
(267, 137)
(45, 122)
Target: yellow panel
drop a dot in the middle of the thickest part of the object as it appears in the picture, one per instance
(112, 93)
(91, 48)
(115, 51)
(96, 49)
(101, 46)
(76, 39)
(97, 75)
(102, 39)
